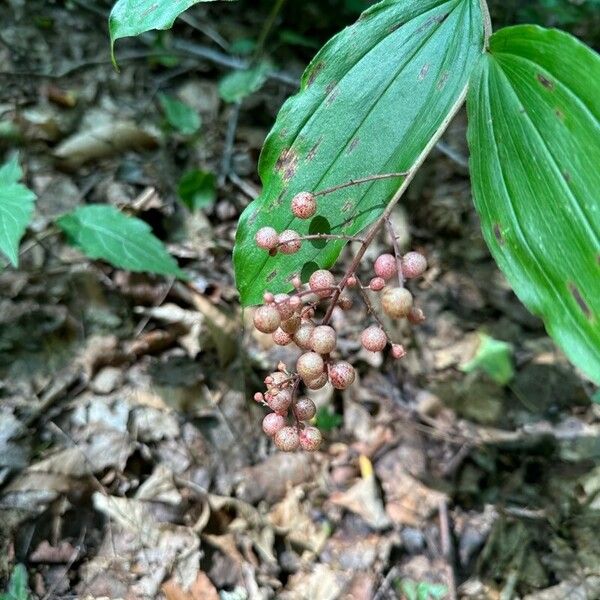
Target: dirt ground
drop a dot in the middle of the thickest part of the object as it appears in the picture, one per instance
(132, 462)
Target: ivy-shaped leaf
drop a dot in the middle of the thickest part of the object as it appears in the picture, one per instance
(101, 231)
(374, 100)
(534, 135)
(16, 209)
(132, 17)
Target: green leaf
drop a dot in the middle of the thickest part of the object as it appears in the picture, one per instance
(494, 357)
(180, 115)
(18, 588)
(534, 134)
(102, 232)
(374, 100)
(197, 189)
(327, 419)
(16, 209)
(422, 590)
(237, 85)
(132, 17)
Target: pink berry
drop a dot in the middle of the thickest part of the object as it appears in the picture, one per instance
(303, 334)
(282, 304)
(321, 282)
(386, 266)
(266, 318)
(268, 298)
(398, 351)
(291, 325)
(258, 397)
(396, 302)
(272, 423)
(351, 281)
(377, 284)
(281, 338)
(266, 238)
(373, 339)
(289, 242)
(341, 375)
(323, 339)
(296, 282)
(275, 379)
(416, 316)
(281, 401)
(310, 365)
(310, 439)
(287, 439)
(305, 409)
(304, 205)
(413, 265)
(318, 383)
(345, 302)
(295, 302)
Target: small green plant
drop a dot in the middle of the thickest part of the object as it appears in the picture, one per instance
(17, 588)
(414, 590)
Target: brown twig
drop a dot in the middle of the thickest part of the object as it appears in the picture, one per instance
(397, 252)
(447, 549)
(352, 182)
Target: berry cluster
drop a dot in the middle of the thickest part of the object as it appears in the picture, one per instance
(292, 318)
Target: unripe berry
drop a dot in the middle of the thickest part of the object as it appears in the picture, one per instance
(345, 302)
(258, 397)
(310, 365)
(287, 439)
(282, 304)
(305, 409)
(272, 423)
(310, 439)
(268, 298)
(413, 265)
(296, 282)
(377, 284)
(281, 338)
(304, 205)
(341, 375)
(416, 316)
(396, 302)
(373, 339)
(351, 281)
(266, 238)
(275, 380)
(398, 351)
(303, 334)
(321, 282)
(318, 383)
(266, 318)
(323, 339)
(280, 402)
(295, 302)
(386, 266)
(289, 242)
(291, 325)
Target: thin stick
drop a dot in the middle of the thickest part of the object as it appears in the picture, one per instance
(397, 253)
(323, 236)
(352, 182)
(229, 141)
(447, 548)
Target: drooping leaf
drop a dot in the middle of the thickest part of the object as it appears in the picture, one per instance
(18, 588)
(180, 115)
(534, 134)
(197, 189)
(238, 84)
(132, 17)
(494, 357)
(102, 232)
(374, 100)
(16, 209)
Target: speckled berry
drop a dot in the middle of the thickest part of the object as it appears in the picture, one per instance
(310, 439)
(287, 439)
(386, 266)
(281, 401)
(377, 284)
(282, 304)
(266, 238)
(398, 351)
(291, 325)
(351, 281)
(310, 365)
(413, 265)
(281, 338)
(268, 298)
(345, 302)
(321, 282)
(304, 205)
(303, 334)
(323, 339)
(305, 409)
(341, 375)
(272, 423)
(396, 302)
(373, 339)
(289, 242)
(416, 316)
(318, 383)
(266, 318)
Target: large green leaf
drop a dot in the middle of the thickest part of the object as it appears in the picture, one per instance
(101, 231)
(132, 17)
(16, 209)
(373, 100)
(534, 134)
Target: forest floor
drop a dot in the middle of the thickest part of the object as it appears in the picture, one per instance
(132, 462)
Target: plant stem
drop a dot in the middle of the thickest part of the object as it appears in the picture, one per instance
(268, 25)
(323, 236)
(397, 253)
(352, 182)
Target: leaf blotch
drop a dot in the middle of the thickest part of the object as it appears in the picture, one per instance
(560, 114)
(498, 234)
(271, 276)
(315, 73)
(547, 83)
(443, 81)
(287, 164)
(567, 176)
(348, 206)
(353, 144)
(435, 20)
(332, 92)
(583, 305)
(313, 151)
(424, 71)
